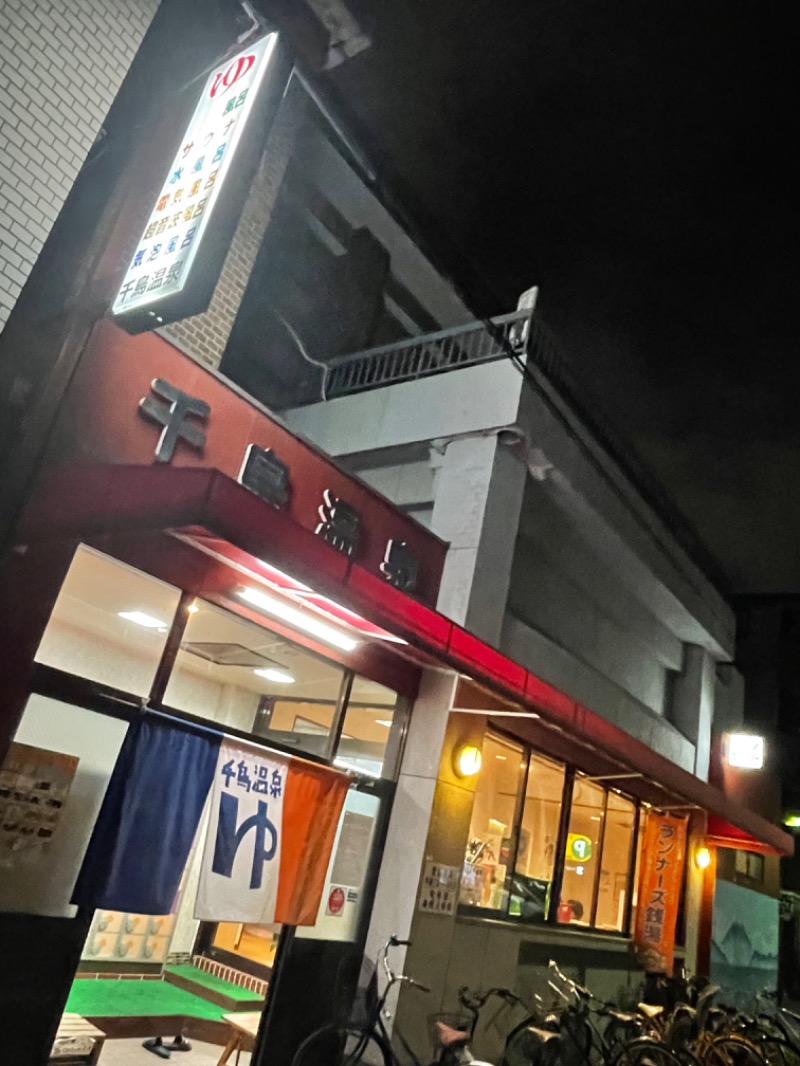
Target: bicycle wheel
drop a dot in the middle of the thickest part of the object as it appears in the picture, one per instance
(332, 1046)
(647, 1053)
(687, 1056)
(733, 1050)
(778, 1051)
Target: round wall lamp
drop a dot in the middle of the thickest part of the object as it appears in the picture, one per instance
(467, 760)
(702, 857)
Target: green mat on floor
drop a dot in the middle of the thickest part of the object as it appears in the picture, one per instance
(106, 998)
(215, 984)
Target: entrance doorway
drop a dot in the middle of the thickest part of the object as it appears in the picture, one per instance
(121, 643)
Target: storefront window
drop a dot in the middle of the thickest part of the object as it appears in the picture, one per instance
(491, 836)
(538, 840)
(109, 623)
(642, 817)
(367, 727)
(245, 676)
(615, 865)
(515, 848)
(582, 852)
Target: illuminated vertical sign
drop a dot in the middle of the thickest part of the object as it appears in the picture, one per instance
(171, 240)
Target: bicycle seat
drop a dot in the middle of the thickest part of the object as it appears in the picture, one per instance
(542, 1035)
(451, 1038)
(649, 1011)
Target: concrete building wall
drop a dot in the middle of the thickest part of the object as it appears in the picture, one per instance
(593, 593)
(324, 167)
(61, 65)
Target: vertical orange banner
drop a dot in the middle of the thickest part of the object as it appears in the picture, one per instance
(660, 879)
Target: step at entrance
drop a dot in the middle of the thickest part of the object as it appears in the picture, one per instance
(221, 985)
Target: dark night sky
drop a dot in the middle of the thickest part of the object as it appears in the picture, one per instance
(637, 160)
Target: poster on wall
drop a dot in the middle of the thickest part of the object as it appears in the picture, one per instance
(161, 270)
(34, 786)
(744, 942)
(660, 882)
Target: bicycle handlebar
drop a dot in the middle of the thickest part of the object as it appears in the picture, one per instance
(579, 989)
(393, 978)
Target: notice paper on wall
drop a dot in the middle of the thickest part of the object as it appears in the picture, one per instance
(34, 786)
(439, 892)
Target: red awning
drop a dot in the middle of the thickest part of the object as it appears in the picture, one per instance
(208, 508)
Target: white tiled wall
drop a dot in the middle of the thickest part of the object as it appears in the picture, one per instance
(61, 65)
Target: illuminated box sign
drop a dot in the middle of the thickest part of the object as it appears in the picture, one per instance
(161, 267)
(744, 751)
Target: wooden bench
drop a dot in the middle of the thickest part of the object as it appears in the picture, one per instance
(243, 1033)
(77, 1041)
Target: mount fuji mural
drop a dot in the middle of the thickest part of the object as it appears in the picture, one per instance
(744, 942)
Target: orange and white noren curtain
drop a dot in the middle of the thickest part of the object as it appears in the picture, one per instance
(271, 829)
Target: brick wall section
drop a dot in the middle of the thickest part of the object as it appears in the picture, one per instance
(61, 65)
(205, 336)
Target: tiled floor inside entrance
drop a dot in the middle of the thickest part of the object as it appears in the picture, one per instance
(131, 1053)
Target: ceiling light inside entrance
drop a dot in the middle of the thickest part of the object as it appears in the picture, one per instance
(139, 618)
(280, 677)
(296, 618)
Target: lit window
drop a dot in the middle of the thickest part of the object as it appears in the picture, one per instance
(612, 893)
(582, 852)
(367, 727)
(491, 835)
(109, 624)
(514, 843)
(538, 840)
(245, 676)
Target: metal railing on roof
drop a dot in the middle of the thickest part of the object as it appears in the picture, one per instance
(524, 332)
(433, 353)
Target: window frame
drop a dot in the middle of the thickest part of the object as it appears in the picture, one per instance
(571, 774)
(118, 702)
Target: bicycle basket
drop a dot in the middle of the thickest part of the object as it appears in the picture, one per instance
(455, 1019)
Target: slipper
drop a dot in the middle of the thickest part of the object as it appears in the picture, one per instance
(180, 1043)
(156, 1046)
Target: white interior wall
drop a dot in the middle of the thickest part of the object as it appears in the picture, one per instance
(131, 667)
(43, 883)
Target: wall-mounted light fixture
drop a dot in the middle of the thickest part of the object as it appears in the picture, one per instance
(702, 857)
(467, 760)
(745, 751)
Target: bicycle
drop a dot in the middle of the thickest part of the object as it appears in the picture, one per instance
(348, 1044)
(572, 1034)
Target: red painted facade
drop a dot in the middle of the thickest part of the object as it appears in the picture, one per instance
(101, 483)
(99, 423)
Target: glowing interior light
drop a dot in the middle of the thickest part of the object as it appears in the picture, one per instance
(745, 751)
(298, 619)
(703, 858)
(384, 721)
(280, 677)
(468, 760)
(139, 618)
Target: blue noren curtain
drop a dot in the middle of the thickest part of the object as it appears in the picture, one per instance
(148, 820)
